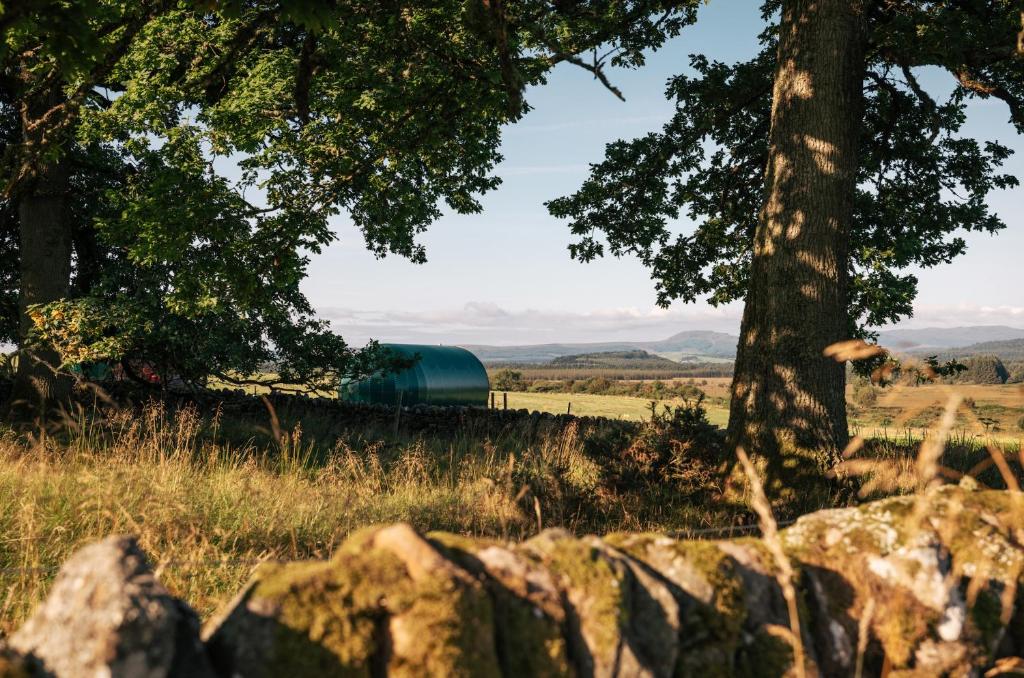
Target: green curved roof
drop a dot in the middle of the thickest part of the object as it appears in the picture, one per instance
(444, 375)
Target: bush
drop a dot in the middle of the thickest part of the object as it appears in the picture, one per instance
(865, 394)
(508, 380)
(983, 369)
(676, 442)
(596, 385)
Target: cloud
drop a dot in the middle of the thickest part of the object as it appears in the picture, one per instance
(479, 322)
(960, 315)
(487, 323)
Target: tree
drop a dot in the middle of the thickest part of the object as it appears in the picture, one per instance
(379, 109)
(508, 380)
(817, 173)
(983, 369)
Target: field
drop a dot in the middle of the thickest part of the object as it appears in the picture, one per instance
(990, 410)
(611, 406)
(212, 496)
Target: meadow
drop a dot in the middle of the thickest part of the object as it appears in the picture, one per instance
(212, 495)
(990, 409)
(610, 406)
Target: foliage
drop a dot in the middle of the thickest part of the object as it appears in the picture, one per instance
(374, 110)
(865, 394)
(921, 181)
(211, 493)
(507, 380)
(618, 371)
(675, 443)
(649, 390)
(983, 369)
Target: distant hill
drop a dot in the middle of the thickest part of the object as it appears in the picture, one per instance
(1007, 351)
(707, 346)
(938, 338)
(681, 347)
(639, 360)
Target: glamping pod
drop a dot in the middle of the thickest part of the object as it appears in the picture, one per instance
(444, 375)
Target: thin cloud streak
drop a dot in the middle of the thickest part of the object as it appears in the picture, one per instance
(487, 323)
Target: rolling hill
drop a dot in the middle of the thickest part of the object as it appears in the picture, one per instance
(639, 360)
(941, 338)
(1007, 351)
(686, 346)
(708, 346)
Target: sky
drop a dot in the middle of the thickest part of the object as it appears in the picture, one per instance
(504, 276)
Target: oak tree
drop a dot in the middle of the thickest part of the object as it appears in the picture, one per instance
(816, 173)
(382, 111)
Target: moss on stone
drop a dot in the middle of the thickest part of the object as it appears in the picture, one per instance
(338, 618)
(530, 641)
(591, 574)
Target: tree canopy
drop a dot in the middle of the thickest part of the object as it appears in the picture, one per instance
(921, 184)
(381, 111)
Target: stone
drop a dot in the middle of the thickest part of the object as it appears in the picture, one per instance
(923, 585)
(107, 615)
(388, 602)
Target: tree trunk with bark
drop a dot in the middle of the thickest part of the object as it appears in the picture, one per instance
(788, 401)
(45, 244)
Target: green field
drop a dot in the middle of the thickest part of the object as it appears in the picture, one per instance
(587, 405)
(989, 410)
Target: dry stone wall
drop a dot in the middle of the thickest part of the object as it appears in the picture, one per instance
(415, 420)
(911, 586)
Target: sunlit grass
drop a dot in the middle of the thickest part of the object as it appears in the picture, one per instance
(211, 497)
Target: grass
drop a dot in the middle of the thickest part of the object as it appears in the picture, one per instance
(989, 411)
(610, 406)
(211, 496)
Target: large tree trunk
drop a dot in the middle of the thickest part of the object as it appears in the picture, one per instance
(788, 400)
(45, 242)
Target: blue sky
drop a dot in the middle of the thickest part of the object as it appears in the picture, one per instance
(504, 276)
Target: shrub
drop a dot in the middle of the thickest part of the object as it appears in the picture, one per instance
(508, 380)
(676, 442)
(865, 394)
(983, 369)
(596, 385)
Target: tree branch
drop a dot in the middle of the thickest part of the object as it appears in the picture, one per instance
(976, 84)
(594, 68)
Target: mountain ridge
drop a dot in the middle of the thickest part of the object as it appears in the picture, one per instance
(713, 346)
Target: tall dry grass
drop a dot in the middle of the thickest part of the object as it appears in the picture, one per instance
(211, 497)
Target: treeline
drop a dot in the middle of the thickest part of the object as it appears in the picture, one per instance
(988, 369)
(513, 380)
(533, 371)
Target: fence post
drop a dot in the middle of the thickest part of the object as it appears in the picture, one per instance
(504, 400)
(492, 400)
(569, 409)
(398, 411)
